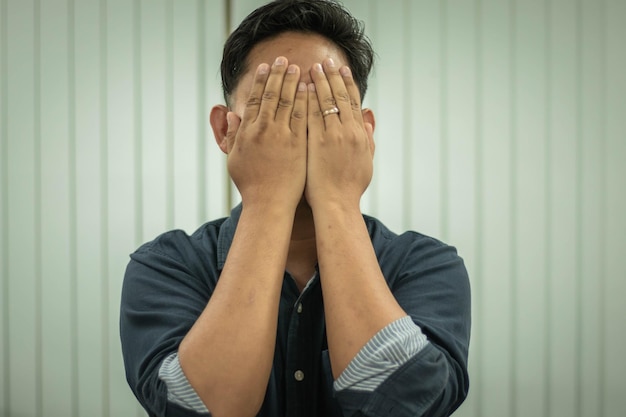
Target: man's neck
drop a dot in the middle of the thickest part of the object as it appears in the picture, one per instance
(302, 256)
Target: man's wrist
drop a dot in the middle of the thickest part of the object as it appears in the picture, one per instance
(340, 207)
(272, 207)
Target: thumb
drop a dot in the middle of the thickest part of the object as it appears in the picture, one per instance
(233, 126)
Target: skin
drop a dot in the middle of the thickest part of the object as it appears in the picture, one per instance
(301, 176)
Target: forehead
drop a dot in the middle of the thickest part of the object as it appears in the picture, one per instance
(301, 49)
(296, 46)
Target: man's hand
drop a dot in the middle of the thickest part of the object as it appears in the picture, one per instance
(228, 353)
(267, 149)
(340, 145)
(357, 299)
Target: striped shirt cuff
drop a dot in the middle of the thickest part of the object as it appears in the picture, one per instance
(179, 390)
(387, 351)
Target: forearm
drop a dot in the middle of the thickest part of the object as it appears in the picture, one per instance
(357, 300)
(227, 355)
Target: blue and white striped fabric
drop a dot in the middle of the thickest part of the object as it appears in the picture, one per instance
(179, 390)
(387, 351)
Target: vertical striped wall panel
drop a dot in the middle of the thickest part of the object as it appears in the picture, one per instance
(614, 284)
(104, 144)
(4, 212)
(508, 114)
(500, 129)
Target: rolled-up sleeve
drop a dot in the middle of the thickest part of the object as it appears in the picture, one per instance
(387, 351)
(165, 290)
(431, 284)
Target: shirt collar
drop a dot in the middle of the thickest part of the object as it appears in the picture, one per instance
(226, 234)
(225, 239)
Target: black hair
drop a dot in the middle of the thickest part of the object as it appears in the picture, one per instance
(327, 18)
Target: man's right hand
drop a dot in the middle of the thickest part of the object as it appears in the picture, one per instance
(267, 149)
(228, 353)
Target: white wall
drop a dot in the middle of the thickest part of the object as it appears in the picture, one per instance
(501, 130)
(104, 145)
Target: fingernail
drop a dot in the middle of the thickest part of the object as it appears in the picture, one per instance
(280, 61)
(292, 69)
(331, 63)
(345, 71)
(311, 87)
(263, 69)
(318, 67)
(301, 86)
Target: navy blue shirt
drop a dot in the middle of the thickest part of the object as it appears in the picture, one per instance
(170, 280)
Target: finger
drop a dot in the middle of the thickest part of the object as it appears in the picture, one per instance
(288, 94)
(325, 95)
(338, 89)
(353, 92)
(253, 104)
(315, 122)
(299, 113)
(271, 94)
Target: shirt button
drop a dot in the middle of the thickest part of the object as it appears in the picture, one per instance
(299, 309)
(298, 375)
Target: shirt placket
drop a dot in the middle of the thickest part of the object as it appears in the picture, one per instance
(303, 351)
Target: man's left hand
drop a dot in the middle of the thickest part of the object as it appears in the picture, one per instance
(340, 142)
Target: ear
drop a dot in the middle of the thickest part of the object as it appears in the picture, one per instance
(219, 123)
(370, 124)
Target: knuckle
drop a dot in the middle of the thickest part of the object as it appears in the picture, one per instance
(298, 115)
(253, 101)
(285, 102)
(329, 101)
(269, 96)
(344, 97)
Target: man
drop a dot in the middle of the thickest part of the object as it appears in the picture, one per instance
(297, 304)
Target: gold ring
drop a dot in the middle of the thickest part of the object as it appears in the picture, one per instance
(333, 110)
